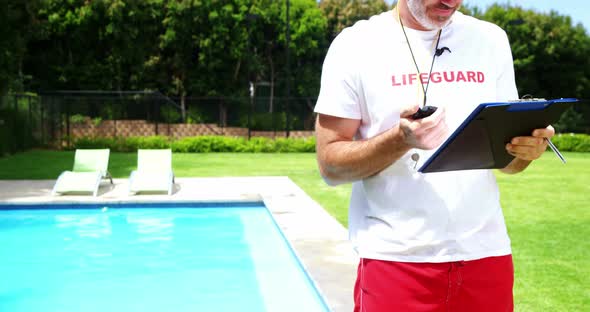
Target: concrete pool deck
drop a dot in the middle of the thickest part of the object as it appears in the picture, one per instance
(320, 242)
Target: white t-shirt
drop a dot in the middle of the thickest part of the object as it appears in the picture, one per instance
(368, 75)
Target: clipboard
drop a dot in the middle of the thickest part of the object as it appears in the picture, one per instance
(479, 142)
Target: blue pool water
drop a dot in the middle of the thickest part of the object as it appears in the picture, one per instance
(149, 258)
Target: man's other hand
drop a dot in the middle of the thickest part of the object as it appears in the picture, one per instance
(530, 147)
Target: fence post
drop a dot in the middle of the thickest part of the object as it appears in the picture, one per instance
(251, 111)
(273, 116)
(51, 119)
(42, 120)
(30, 112)
(114, 121)
(168, 120)
(288, 121)
(68, 123)
(156, 113)
(29, 141)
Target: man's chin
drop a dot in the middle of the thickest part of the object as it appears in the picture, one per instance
(440, 22)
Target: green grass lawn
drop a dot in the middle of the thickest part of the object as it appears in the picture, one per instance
(547, 210)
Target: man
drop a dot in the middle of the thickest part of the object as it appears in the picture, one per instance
(427, 242)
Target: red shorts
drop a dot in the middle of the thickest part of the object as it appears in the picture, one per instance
(464, 286)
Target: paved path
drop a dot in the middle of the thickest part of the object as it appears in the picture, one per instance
(317, 238)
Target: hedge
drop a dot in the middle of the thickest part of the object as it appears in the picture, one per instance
(568, 142)
(200, 144)
(571, 142)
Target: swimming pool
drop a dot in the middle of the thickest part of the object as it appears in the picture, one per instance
(149, 257)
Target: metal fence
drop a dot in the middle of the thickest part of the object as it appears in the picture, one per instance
(58, 117)
(21, 123)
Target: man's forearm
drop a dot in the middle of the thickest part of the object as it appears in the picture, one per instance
(347, 161)
(515, 166)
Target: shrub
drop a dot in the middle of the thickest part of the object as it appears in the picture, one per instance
(200, 144)
(260, 145)
(570, 142)
(78, 119)
(220, 143)
(121, 144)
(192, 145)
(152, 142)
(95, 142)
(96, 121)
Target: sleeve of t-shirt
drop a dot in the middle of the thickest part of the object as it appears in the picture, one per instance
(505, 84)
(339, 90)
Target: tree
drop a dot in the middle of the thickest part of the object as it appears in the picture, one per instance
(214, 47)
(61, 55)
(550, 55)
(178, 44)
(93, 44)
(344, 13)
(128, 32)
(306, 46)
(221, 48)
(16, 20)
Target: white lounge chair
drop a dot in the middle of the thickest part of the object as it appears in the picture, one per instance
(154, 172)
(90, 167)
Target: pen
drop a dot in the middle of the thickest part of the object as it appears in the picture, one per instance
(555, 150)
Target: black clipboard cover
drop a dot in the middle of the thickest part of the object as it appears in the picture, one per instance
(479, 142)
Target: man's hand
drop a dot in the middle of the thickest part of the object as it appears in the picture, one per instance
(527, 149)
(530, 147)
(426, 133)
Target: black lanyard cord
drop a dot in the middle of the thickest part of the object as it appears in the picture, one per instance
(424, 90)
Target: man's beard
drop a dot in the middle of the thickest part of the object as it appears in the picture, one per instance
(418, 10)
